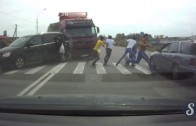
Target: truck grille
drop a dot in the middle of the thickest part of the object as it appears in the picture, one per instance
(85, 42)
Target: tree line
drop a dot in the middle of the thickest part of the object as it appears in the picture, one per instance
(121, 38)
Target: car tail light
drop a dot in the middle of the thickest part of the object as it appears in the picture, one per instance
(193, 61)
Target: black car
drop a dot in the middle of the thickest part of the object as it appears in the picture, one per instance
(178, 58)
(34, 49)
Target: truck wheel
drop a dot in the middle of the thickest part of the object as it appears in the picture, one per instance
(19, 62)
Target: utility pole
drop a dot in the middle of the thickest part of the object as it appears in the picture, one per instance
(15, 31)
(37, 20)
(37, 25)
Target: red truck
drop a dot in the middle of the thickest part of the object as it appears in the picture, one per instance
(80, 29)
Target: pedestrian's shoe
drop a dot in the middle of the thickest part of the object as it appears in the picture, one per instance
(127, 63)
(105, 64)
(116, 64)
(126, 58)
(93, 64)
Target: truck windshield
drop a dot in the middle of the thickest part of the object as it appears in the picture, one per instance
(74, 32)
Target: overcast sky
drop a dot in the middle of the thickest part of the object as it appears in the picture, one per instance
(156, 17)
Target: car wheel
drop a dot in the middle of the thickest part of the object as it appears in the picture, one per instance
(153, 66)
(175, 72)
(19, 62)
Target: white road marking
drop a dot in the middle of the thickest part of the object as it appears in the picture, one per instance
(32, 92)
(12, 72)
(145, 71)
(40, 80)
(32, 85)
(52, 73)
(80, 68)
(122, 69)
(100, 69)
(33, 71)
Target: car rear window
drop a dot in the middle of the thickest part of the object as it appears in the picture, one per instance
(49, 38)
(188, 48)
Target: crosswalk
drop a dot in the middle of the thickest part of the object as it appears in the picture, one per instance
(122, 69)
(100, 69)
(12, 72)
(33, 71)
(80, 68)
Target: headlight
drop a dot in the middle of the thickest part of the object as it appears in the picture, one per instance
(8, 54)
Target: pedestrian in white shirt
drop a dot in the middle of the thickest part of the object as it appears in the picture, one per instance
(129, 49)
(109, 45)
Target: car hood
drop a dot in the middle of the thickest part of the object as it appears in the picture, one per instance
(89, 105)
(8, 49)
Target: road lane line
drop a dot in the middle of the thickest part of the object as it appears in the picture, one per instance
(122, 69)
(40, 79)
(12, 72)
(33, 71)
(32, 85)
(51, 74)
(80, 68)
(143, 70)
(40, 85)
(100, 69)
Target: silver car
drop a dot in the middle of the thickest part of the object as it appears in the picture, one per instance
(178, 58)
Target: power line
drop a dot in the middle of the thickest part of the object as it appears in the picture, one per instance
(23, 19)
(8, 14)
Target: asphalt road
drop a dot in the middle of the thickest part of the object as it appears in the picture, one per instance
(78, 77)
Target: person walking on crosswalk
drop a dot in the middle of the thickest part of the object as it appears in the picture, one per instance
(95, 54)
(129, 49)
(143, 44)
(109, 45)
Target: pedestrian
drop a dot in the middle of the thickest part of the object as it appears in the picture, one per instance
(64, 46)
(95, 53)
(132, 56)
(109, 45)
(129, 49)
(143, 44)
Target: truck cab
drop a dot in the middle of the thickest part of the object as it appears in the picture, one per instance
(80, 29)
